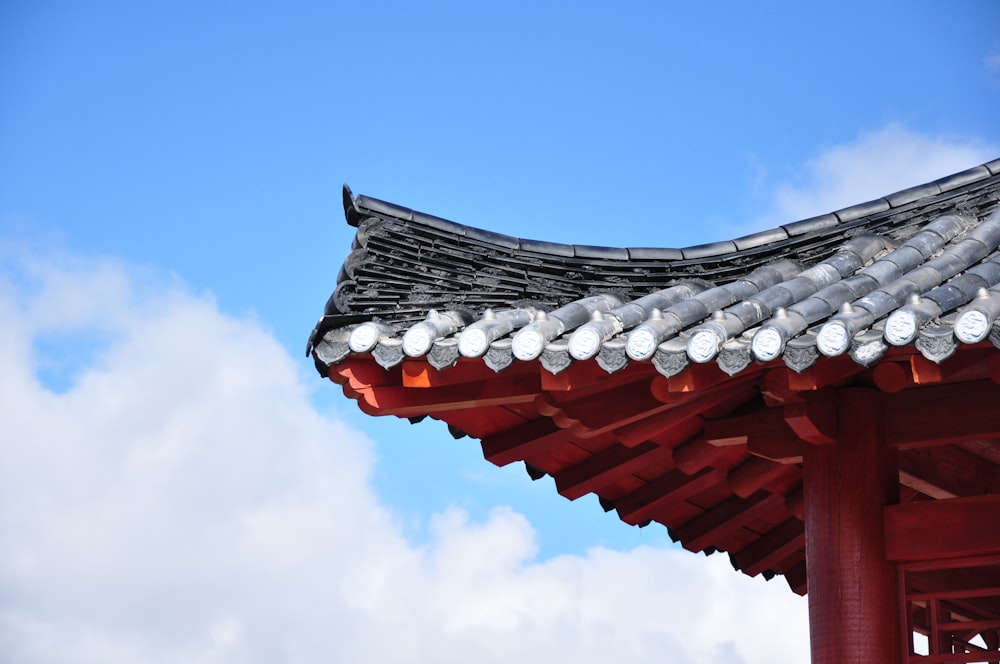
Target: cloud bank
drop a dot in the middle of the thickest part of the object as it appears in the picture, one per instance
(168, 493)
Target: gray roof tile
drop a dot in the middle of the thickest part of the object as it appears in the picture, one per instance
(862, 267)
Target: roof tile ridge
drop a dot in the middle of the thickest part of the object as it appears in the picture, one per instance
(355, 207)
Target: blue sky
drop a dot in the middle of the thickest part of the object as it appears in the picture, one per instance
(182, 163)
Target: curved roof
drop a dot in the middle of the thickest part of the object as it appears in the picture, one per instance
(680, 385)
(898, 270)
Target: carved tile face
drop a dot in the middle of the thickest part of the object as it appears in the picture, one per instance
(901, 328)
(766, 344)
(832, 339)
(703, 346)
(972, 326)
(641, 344)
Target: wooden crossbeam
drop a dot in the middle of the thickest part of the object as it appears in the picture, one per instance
(940, 529)
(947, 472)
(943, 414)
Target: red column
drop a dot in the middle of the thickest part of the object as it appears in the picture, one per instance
(853, 600)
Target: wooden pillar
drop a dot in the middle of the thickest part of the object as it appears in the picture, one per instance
(853, 599)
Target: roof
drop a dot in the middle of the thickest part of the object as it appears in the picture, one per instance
(632, 372)
(885, 273)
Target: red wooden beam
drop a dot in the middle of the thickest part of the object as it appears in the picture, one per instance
(943, 414)
(766, 434)
(754, 474)
(407, 402)
(795, 502)
(362, 371)
(697, 377)
(584, 377)
(725, 519)
(696, 454)
(518, 442)
(797, 578)
(948, 472)
(685, 413)
(814, 419)
(787, 451)
(605, 468)
(937, 529)
(776, 388)
(953, 658)
(642, 504)
(738, 430)
(419, 373)
(771, 548)
(892, 377)
(827, 372)
(603, 411)
(971, 364)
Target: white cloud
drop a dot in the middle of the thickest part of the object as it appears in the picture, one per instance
(877, 163)
(182, 501)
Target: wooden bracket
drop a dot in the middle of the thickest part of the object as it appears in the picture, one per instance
(814, 419)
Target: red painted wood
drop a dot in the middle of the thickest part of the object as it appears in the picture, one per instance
(943, 414)
(643, 503)
(605, 468)
(696, 377)
(965, 366)
(419, 373)
(795, 503)
(768, 423)
(360, 372)
(826, 373)
(482, 422)
(602, 412)
(407, 402)
(772, 547)
(892, 377)
(696, 454)
(988, 591)
(754, 474)
(936, 529)
(585, 377)
(853, 598)
(725, 519)
(948, 472)
(685, 415)
(778, 449)
(797, 578)
(814, 419)
(518, 442)
(952, 658)
(776, 388)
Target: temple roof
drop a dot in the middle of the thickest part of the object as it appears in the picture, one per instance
(917, 267)
(681, 385)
